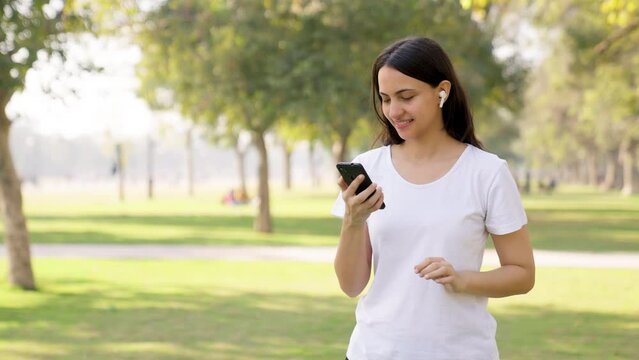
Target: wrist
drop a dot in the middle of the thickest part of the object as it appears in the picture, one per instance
(353, 223)
(462, 281)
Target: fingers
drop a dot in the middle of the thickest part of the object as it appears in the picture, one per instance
(380, 199)
(360, 206)
(342, 184)
(363, 197)
(445, 280)
(350, 189)
(368, 197)
(435, 271)
(429, 260)
(375, 193)
(435, 268)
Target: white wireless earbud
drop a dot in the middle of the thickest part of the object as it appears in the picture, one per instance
(442, 98)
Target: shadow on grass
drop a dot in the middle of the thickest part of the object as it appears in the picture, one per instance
(598, 234)
(197, 230)
(569, 230)
(194, 323)
(533, 332)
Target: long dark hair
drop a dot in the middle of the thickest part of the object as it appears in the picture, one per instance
(423, 59)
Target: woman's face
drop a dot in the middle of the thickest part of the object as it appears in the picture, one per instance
(411, 105)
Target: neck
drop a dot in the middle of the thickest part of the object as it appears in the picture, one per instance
(432, 146)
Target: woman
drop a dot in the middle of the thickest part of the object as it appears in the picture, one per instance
(444, 195)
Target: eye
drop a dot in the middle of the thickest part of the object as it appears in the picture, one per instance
(385, 101)
(408, 98)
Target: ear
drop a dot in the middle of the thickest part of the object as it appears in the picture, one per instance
(444, 85)
(443, 92)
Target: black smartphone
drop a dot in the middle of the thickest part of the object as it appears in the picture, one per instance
(350, 171)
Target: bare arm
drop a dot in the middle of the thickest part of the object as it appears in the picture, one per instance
(354, 253)
(354, 258)
(516, 275)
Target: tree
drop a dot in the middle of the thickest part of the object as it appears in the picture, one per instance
(27, 31)
(594, 119)
(150, 173)
(260, 62)
(224, 58)
(291, 133)
(339, 40)
(231, 136)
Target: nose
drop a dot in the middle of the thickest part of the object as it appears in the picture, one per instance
(395, 110)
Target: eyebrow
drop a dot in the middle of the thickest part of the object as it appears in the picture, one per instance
(397, 92)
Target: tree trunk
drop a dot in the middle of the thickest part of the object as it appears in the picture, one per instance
(573, 173)
(618, 185)
(189, 160)
(611, 169)
(582, 172)
(527, 182)
(628, 160)
(149, 159)
(339, 151)
(591, 169)
(263, 221)
(312, 166)
(119, 160)
(287, 166)
(340, 148)
(15, 224)
(241, 164)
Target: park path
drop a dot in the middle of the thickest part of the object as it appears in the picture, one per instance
(298, 253)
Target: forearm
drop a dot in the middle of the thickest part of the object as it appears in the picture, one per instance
(504, 281)
(353, 258)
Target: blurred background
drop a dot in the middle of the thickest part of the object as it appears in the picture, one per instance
(132, 132)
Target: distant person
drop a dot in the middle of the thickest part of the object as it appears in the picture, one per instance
(444, 196)
(549, 187)
(527, 183)
(241, 197)
(541, 186)
(229, 198)
(235, 197)
(552, 185)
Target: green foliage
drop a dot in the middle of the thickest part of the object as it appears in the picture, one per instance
(292, 131)
(217, 58)
(582, 101)
(344, 37)
(31, 30)
(620, 12)
(259, 63)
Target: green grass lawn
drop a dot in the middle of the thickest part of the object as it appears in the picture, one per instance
(98, 309)
(572, 220)
(179, 220)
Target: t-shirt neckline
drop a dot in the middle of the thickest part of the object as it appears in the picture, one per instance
(441, 178)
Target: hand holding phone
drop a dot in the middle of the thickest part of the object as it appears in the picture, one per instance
(350, 171)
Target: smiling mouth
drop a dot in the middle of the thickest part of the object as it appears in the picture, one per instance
(402, 124)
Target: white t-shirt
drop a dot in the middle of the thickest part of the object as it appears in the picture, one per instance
(402, 316)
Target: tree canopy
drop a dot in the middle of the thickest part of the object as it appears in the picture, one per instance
(262, 62)
(581, 105)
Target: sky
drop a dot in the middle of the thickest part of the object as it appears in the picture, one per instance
(104, 103)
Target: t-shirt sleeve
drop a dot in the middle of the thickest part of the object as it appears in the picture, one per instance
(339, 207)
(504, 212)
